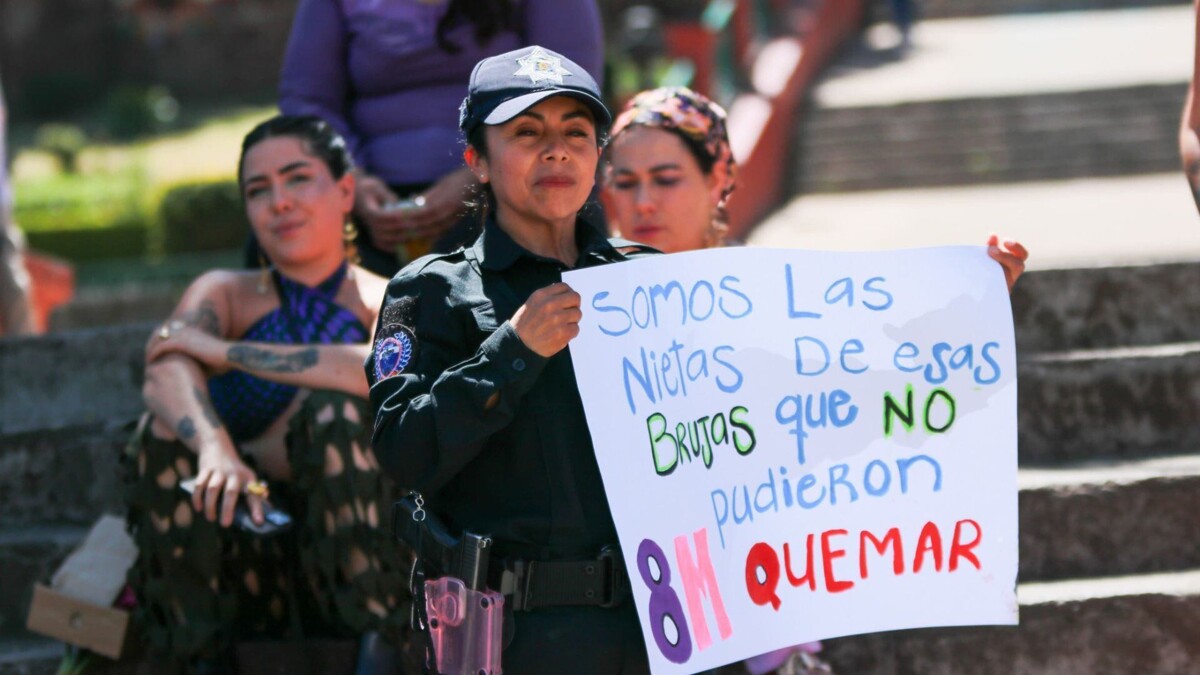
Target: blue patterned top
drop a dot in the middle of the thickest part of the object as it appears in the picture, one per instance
(248, 404)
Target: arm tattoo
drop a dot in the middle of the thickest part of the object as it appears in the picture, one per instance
(254, 358)
(186, 429)
(206, 407)
(204, 317)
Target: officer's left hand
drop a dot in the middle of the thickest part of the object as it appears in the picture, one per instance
(549, 319)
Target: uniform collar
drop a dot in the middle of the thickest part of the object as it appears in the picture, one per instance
(497, 251)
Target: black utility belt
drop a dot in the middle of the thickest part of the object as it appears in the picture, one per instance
(535, 584)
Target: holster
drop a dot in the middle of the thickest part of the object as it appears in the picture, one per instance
(442, 553)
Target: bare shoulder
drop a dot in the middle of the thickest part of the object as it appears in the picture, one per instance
(216, 299)
(371, 287)
(231, 283)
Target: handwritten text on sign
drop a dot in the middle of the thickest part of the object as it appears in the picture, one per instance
(799, 445)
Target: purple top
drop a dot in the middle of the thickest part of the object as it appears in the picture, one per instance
(306, 316)
(373, 69)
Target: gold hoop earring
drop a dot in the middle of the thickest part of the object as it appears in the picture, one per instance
(264, 277)
(349, 235)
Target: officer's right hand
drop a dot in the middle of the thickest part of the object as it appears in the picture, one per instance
(549, 319)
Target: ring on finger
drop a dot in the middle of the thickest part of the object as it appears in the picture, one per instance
(258, 488)
(164, 331)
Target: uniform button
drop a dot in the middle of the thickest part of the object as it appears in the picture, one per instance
(518, 365)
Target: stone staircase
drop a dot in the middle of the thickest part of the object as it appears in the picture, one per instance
(1030, 101)
(1105, 497)
(1109, 380)
(1046, 104)
(1112, 132)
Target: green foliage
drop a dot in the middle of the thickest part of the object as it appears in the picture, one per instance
(60, 94)
(136, 111)
(202, 216)
(118, 241)
(64, 142)
(85, 217)
(81, 202)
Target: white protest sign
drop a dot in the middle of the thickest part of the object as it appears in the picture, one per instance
(799, 445)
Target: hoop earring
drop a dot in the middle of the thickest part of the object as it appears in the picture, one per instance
(349, 235)
(264, 277)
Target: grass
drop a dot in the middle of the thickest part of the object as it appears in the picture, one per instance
(79, 201)
(122, 184)
(205, 151)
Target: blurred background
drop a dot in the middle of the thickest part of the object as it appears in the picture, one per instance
(858, 123)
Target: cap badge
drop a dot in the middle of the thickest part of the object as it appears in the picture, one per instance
(541, 67)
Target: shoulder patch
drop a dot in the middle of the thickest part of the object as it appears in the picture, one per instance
(395, 351)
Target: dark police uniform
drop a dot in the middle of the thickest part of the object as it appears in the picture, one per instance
(524, 471)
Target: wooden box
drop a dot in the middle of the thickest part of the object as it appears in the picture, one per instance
(103, 630)
(76, 606)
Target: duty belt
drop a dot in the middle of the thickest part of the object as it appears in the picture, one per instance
(532, 584)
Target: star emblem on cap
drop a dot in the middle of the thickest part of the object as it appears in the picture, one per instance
(541, 67)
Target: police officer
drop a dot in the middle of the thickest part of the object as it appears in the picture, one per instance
(476, 401)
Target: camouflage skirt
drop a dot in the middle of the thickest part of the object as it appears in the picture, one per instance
(337, 573)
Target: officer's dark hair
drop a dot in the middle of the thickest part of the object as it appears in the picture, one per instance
(489, 17)
(318, 136)
(482, 199)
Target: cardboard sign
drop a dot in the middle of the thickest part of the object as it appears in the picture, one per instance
(800, 445)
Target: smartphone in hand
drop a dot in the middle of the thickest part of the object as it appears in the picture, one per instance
(274, 520)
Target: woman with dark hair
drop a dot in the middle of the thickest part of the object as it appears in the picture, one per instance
(255, 401)
(485, 418)
(670, 170)
(390, 75)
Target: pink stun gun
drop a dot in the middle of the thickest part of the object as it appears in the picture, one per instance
(466, 627)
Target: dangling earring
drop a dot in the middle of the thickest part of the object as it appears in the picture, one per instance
(264, 275)
(349, 234)
(718, 227)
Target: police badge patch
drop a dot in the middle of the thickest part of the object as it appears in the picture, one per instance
(394, 352)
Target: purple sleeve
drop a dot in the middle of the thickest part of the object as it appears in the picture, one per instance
(314, 80)
(569, 27)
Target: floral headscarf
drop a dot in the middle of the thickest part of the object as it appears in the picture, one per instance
(691, 114)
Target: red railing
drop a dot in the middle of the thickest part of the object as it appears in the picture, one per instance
(730, 44)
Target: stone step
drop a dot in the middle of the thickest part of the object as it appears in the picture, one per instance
(112, 306)
(1105, 307)
(1109, 519)
(1047, 136)
(1119, 404)
(948, 9)
(30, 656)
(1125, 403)
(64, 380)
(1013, 55)
(1080, 521)
(29, 555)
(1137, 624)
(62, 475)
